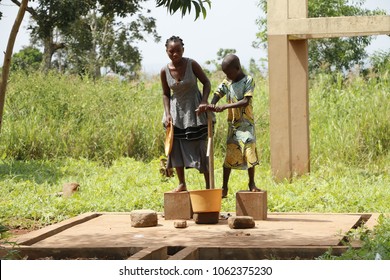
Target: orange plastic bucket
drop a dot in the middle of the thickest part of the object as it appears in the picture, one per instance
(203, 201)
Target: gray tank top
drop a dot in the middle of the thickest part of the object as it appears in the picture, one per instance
(185, 99)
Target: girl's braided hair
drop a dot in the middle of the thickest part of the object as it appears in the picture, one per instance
(174, 39)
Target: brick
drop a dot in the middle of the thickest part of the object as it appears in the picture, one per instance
(252, 204)
(177, 206)
(241, 222)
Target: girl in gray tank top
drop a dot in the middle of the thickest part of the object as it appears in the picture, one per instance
(185, 106)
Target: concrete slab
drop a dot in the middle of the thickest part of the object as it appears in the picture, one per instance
(105, 232)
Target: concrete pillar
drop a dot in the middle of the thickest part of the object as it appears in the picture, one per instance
(289, 28)
(288, 87)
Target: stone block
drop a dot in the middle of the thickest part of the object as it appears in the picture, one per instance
(206, 218)
(68, 189)
(143, 218)
(177, 206)
(241, 222)
(252, 204)
(180, 224)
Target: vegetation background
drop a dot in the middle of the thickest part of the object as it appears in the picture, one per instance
(107, 136)
(65, 124)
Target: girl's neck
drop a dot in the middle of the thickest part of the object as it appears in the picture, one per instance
(178, 63)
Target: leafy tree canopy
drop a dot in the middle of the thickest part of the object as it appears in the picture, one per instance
(329, 54)
(54, 23)
(185, 6)
(28, 58)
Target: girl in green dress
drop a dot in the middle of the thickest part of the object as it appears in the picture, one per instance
(241, 152)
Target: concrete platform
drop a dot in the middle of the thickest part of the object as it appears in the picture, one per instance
(110, 236)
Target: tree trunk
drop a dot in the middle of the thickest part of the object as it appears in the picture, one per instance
(47, 54)
(94, 65)
(8, 56)
(48, 51)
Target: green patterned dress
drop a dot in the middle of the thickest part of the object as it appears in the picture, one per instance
(241, 152)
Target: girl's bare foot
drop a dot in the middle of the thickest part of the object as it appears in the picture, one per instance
(224, 192)
(253, 188)
(180, 188)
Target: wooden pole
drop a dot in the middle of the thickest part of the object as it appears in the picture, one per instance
(210, 149)
(8, 56)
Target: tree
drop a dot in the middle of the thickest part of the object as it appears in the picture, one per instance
(339, 54)
(28, 58)
(50, 16)
(380, 61)
(8, 55)
(96, 41)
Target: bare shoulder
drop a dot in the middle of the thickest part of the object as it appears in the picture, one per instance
(196, 68)
(199, 73)
(163, 72)
(195, 64)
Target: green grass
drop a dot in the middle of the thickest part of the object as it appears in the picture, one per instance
(28, 189)
(108, 137)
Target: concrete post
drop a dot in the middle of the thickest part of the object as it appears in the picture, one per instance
(288, 32)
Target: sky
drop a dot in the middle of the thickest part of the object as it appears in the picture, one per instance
(230, 24)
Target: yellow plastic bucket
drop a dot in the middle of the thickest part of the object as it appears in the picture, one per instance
(203, 201)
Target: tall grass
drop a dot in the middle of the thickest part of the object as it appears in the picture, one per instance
(350, 119)
(50, 116)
